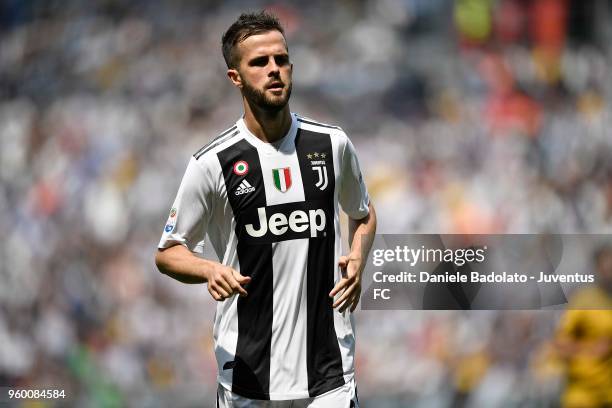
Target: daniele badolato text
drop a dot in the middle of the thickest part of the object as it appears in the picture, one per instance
(459, 257)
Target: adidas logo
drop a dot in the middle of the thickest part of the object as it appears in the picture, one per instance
(244, 187)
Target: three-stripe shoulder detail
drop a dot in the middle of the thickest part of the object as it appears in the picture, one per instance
(226, 135)
(315, 123)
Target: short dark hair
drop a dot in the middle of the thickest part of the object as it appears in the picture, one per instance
(248, 24)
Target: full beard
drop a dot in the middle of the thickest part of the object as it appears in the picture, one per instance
(262, 101)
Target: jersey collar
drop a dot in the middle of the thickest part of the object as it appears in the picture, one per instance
(286, 142)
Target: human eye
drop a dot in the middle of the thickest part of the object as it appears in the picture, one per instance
(282, 59)
(259, 62)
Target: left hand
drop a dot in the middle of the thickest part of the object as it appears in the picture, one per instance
(350, 284)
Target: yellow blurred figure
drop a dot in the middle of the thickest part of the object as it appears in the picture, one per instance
(584, 341)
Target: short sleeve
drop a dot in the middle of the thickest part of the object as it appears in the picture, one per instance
(191, 211)
(353, 194)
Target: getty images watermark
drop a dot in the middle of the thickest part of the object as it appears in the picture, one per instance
(479, 271)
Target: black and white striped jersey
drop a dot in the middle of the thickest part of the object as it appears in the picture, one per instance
(271, 212)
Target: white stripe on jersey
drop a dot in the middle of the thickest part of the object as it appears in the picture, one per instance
(288, 369)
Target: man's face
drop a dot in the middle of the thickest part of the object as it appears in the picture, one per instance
(265, 70)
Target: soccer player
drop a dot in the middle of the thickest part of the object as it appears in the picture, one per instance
(267, 192)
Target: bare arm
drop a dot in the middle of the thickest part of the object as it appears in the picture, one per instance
(361, 237)
(180, 263)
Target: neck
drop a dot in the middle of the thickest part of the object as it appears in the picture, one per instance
(265, 125)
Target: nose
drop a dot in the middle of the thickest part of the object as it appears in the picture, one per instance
(274, 68)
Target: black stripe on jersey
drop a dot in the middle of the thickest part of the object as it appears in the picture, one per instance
(323, 358)
(216, 141)
(312, 122)
(251, 375)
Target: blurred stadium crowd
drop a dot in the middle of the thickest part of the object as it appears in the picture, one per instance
(472, 116)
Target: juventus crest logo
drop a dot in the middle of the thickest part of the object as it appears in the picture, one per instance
(318, 166)
(322, 174)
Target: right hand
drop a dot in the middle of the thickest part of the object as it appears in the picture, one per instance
(224, 282)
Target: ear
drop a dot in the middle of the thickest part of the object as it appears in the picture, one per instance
(235, 77)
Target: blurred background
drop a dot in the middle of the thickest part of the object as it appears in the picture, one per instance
(472, 116)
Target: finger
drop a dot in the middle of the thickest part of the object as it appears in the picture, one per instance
(343, 261)
(349, 303)
(224, 293)
(215, 294)
(345, 305)
(223, 287)
(342, 283)
(345, 295)
(355, 302)
(236, 288)
(240, 278)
